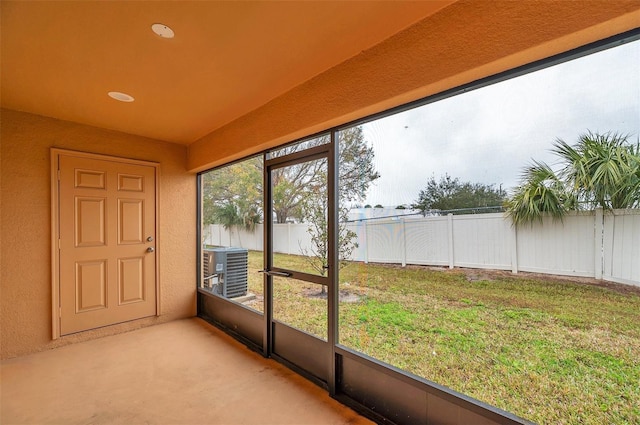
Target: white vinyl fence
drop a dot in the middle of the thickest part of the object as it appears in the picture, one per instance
(587, 244)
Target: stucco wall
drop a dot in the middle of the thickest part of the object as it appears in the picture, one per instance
(464, 42)
(25, 282)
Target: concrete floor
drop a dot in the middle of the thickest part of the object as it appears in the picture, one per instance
(182, 372)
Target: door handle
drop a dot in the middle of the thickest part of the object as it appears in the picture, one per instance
(150, 249)
(274, 273)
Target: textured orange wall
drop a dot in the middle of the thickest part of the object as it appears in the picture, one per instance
(25, 276)
(464, 42)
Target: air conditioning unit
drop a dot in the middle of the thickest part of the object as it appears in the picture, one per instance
(226, 271)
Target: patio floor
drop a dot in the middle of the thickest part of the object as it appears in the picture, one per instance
(182, 372)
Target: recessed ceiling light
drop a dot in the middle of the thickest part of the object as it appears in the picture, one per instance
(122, 97)
(162, 30)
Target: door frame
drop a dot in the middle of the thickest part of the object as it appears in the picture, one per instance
(55, 154)
(328, 151)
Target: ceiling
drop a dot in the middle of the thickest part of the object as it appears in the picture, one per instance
(60, 59)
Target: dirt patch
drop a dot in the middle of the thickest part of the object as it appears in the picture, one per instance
(474, 275)
(345, 295)
(620, 288)
(255, 302)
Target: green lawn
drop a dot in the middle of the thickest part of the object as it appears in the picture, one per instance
(551, 351)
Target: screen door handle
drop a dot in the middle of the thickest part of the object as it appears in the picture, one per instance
(273, 273)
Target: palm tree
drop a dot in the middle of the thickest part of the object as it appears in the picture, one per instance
(231, 216)
(600, 170)
(541, 191)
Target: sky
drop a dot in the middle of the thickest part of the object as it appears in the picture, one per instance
(490, 134)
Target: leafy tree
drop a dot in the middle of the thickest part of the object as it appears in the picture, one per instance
(295, 188)
(355, 174)
(450, 194)
(292, 186)
(317, 254)
(232, 195)
(241, 183)
(227, 215)
(541, 191)
(295, 184)
(355, 165)
(600, 170)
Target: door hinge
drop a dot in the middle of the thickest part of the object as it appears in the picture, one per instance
(59, 311)
(58, 174)
(59, 243)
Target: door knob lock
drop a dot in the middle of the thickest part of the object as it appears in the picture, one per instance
(150, 239)
(150, 249)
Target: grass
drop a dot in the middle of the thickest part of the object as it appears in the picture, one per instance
(551, 351)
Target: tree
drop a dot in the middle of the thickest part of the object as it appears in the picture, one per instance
(600, 170)
(355, 165)
(241, 183)
(541, 191)
(317, 254)
(355, 174)
(232, 195)
(451, 195)
(294, 186)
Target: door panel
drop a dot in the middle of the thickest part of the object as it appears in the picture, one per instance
(130, 221)
(91, 285)
(107, 257)
(90, 221)
(310, 354)
(130, 280)
(291, 297)
(90, 179)
(130, 183)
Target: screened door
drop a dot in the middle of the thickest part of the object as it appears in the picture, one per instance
(297, 262)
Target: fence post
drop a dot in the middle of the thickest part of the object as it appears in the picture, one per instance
(598, 234)
(404, 242)
(289, 238)
(450, 234)
(366, 242)
(219, 233)
(514, 248)
(209, 239)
